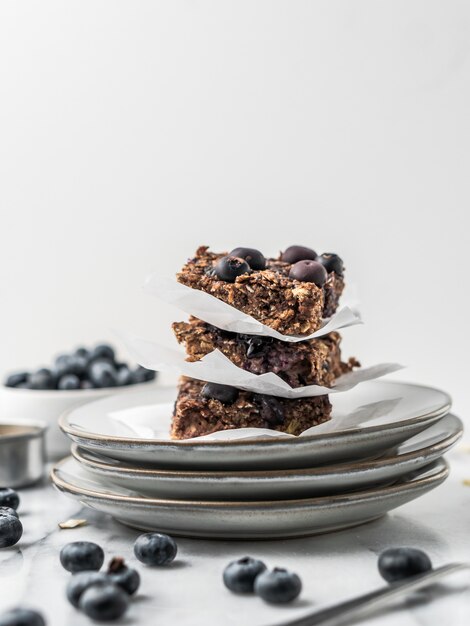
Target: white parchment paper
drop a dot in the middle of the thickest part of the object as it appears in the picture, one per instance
(220, 314)
(153, 422)
(215, 367)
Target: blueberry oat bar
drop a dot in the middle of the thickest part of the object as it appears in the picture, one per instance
(203, 408)
(291, 293)
(312, 362)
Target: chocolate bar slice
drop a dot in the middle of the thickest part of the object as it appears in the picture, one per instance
(312, 362)
(203, 408)
(291, 297)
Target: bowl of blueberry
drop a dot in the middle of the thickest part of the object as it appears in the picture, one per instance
(75, 377)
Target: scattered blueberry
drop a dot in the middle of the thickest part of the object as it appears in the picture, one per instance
(278, 586)
(81, 555)
(9, 497)
(68, 382)
(240, 576)
(22, 617)
(79, 582)
(11, 530)
(399, 563)
(42, 379)
(155, 549)
(102, 374)
(86, 384)
(102, 351)
(7, 510)
(104, 603)
(309, 272)
(223, 393)
(331, 262)
(229, 267)
(298, 253)
(253, 257)
(16, 379)
(123, 576)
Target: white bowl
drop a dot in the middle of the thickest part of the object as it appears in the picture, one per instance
(47, 406)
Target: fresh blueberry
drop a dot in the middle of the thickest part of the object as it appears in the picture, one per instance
(61, 365)
(278, 586)
(309, 272)
(9, 497)
(42, 379)
(142, 375)
(124, 376)
(81, 555)
(83, 353)
(102, 374)
(253, 257)
(86, 384)
(240, 576)
(155, 549)
(104, 603)
(399, 563)
(79, 582)
(123, 576)
(7, 510)
(68, 382)
(102, 351)
(223, 393)
(70, 364)
(11, 530)
(331, 262)
(78, 365)
(298, 253)
(22, 617)
(229, 267)
(13, 380)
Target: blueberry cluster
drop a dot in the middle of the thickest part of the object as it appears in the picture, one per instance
(248, 575)
(83, 369)
(104, 596)
(11, 529)
(307, 265)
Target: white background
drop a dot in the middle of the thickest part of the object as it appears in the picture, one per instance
(132, 132)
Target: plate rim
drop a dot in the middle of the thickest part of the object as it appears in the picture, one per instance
(264, 441)
(440, 465)
(441, 446)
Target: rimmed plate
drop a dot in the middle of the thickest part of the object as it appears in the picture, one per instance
(244, 520)
(417, 452)
(400, 410)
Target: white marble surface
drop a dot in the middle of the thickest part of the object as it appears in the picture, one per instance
(190, 592)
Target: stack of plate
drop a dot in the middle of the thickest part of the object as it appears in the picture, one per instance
(258, 488)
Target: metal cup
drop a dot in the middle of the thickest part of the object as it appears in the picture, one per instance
(22, 452)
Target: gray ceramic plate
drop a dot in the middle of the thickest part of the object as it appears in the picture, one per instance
(244, 520)
(410, 456)
(378, 415)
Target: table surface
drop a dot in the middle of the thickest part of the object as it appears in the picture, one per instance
(190, 591)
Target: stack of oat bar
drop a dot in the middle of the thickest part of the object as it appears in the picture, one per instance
(292, 294)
